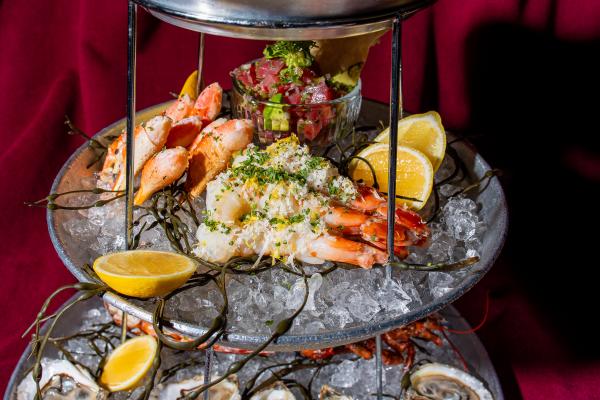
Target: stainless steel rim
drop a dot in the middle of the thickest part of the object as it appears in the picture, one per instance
(220, 22)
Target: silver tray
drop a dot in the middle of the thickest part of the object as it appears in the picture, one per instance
(492, 202)
(276, 19)
(469, 346)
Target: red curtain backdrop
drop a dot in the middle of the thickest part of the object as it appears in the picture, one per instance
(521, 76)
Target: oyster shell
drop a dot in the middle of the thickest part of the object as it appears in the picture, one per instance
(439, 381)
(61, 380)
(328, 393)
(224, 390)
(276, 392)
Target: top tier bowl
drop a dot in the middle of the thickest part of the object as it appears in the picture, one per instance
(276, 19)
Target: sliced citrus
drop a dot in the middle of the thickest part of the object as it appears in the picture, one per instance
(127, 365)
(144, 273)
(190, 86)
(414, 173)
(423, 132)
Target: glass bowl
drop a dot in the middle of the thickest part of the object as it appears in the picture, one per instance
(316, 124)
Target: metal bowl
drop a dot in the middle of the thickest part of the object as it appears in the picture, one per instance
(75, 255)
(276, 19)
(469, 346)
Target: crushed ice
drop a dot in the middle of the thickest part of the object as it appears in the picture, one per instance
(338, 300)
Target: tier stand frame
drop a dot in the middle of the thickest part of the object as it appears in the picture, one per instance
(396, 113)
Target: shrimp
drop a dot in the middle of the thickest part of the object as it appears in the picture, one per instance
(166, 167)
(372, 229)
(212, 153)
(149, 138)
(336, 248)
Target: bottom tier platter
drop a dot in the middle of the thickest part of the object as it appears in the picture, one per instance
(345, 305)
(345, 373)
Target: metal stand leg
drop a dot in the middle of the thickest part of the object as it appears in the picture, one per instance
(395, 114)
(207, 369)
(200, 83)
(131, 61)
(379, 367)
(123, 327)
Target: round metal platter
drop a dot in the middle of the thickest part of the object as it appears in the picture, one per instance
(276, 20)
(75, 255)
(469, 346)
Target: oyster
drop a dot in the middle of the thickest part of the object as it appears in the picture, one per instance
(61, 380)
(276, 392)
(328, 393)
(224, 390)
(439, 381)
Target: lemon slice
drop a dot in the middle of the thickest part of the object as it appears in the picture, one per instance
(127, 365)
(414, 173)
(423, 132)
(190, 85)
(144, 273)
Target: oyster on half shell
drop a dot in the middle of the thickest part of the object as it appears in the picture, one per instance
(328, 393)
(440, 382)
(61, 380)
(224, 390)
(276, 392)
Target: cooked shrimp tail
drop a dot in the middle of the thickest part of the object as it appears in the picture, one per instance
(335, 248)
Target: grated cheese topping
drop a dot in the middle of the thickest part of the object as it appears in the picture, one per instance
(271, 201)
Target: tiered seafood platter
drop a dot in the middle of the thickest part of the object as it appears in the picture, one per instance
(280, 222)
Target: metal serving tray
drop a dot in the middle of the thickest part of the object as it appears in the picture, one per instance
(75, 256)
(276, 19)
(469, 346)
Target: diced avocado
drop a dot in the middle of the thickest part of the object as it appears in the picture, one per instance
(275, 119)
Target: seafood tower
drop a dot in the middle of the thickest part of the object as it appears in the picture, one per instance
(269, 222)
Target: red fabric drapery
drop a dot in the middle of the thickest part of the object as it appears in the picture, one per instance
(476, 61)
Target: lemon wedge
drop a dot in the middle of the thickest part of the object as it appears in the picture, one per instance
(414, 172)
(190, 85)
(144, 273)
(127, 365)
(423, 132)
